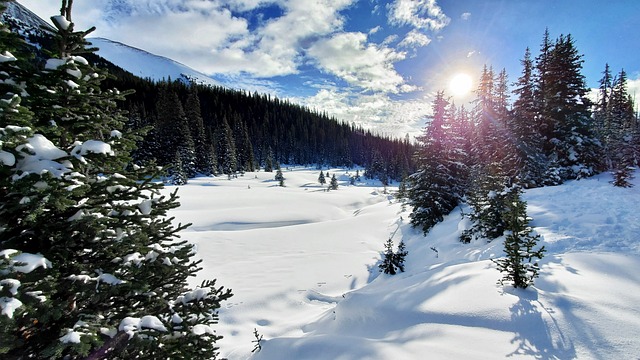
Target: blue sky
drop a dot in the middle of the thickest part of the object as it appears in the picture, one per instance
(375, 63)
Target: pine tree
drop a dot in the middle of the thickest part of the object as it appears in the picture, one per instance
(570, 139)
(173, 133)
(268, 163)
(333, 185)
(226, 149)
(520, 266)
(109, 274)
(204, 163)
(321, 178)
(486, 197)
(393, 262)
(436, 188)
(524, 126)
(279, 176)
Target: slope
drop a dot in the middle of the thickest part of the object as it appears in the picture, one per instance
(146, 65)
(302, 263)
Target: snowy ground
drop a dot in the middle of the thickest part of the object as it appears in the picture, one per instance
(302, 263)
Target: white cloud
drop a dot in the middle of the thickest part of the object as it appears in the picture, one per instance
(375, 112)
(361, 64)
(421, 14)
(414, 39)
(465, 16)
(375, 30)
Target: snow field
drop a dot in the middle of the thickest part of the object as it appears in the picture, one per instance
(302, 263)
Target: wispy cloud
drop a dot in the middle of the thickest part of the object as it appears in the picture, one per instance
(421, 14)
(465, 16)
(362, 64)
(375, 112)
(414, 39)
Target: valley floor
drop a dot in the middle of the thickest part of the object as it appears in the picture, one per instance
(302, 263)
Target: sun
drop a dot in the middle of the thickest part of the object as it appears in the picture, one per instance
(460, 84)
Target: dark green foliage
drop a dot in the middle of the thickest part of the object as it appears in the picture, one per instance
(279, 176)
(109, 256)
(333, 185)
(436, 189)
(520, 266)
(487, 197)
(393, 262)
(321, 178)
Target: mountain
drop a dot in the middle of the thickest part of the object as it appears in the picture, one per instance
(147, 65)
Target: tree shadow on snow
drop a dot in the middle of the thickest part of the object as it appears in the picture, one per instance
(533, 329)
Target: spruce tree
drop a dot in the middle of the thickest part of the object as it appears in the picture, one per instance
(333, 185)
(435, 189)
(524, 125)
(279, 176)
(204, 163)
(321, 178)
(107, 274)
(226, 149)
(520, 266)
(393, 261)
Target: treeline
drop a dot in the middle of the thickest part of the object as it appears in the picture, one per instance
(551, 132)
(201, 129)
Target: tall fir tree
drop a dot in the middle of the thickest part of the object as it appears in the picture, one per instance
(524, 126)
(570, 139)
(226, 149)
(203, 162)
(435, 189)
(106, 274)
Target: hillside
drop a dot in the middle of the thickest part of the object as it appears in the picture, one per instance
(303, 266)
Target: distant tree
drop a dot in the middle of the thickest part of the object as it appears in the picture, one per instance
(519, 267)
(268, 163)
(173, 133)
(204, 162)
(321, 178)
(333, 185)
(226, 149)
(279, 176)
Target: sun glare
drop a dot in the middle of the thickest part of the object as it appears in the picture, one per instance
(460, 84)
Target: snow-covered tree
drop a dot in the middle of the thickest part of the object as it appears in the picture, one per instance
(437, 187)
(520, 266)
(321, 178)
(90, 264)
(393, 261)
(333, 184)
(279, 176)
(486, 196)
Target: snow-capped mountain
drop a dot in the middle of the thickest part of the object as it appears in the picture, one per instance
(146, 65)
(137, 61)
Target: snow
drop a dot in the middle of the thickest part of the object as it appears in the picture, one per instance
(7, 158)
(41, 157)
(92, 146)
(7, 57)
(302, 263)
(30, 262)
(130, 324)
(147, 65)
(9, 306)
(71, 337)
(61, 21)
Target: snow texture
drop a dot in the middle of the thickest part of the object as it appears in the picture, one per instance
(302, 263)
